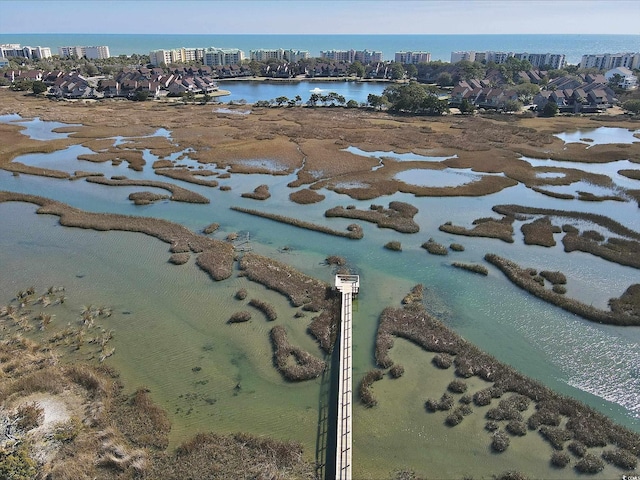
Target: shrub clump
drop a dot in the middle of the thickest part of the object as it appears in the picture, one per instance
(559, 289)
(239, 317)
(211, 228)
(491, 426)
(179, 258)
(589, 464)
(241, 294)
(555, 436)
(393, 245)
(560, 459)
(336, 260)
(621, 458)
(500, 441)
(435, 248)
(577, 448)
(517, 428)
(265, 308)
(442, 360)
(472, 267)
(396, 371)
(457, 386)
(556, 278)
(445, 403)
(366, 393)
(456, 247)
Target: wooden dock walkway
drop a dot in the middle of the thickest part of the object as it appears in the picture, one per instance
(349, 286)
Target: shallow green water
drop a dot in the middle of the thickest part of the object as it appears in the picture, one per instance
(168, 320)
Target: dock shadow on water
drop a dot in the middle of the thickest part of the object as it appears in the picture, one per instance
(326, 442)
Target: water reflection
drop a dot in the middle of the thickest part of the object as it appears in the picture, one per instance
(600, 136)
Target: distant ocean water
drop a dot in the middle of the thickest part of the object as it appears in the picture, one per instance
(440, 46)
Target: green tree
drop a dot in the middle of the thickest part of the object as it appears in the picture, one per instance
(466, 106)
(357, 69)
(632, 106)
(512, 106)
(377, 101)
(468, 70)
(526, 91)
(550, 109)
(397, 71)
(38, 87)
(352, 104)
(281, 100)
(22, 85)
(412, 71)
(313, 99)
(444, 79)
(142, 95)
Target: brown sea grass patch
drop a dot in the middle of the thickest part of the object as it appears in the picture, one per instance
(353, 232)
(162, 164)
(179, 258)
(523, 279)
(178, 194)
(629, 173)
(181, 239)
(590, 197)
(261, 192)
(98, 144)
(365, 389)
(472, 267)
(239, 317)
(484, 227)
(13, 143)
(540, 232)
(186, 175)
(159, 146)
(549, 193)
(299, 288)
(266, 308)
(79, 174)
(435, 248)
(399, 216)
(294, 363)
(18, 167)
(116, 156)
(212, 227)
(146, 198)
(306, 196)
(611, 225)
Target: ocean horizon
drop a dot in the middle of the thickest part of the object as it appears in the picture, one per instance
(440, 46)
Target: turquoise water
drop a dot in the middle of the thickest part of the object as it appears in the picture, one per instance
(178, 316)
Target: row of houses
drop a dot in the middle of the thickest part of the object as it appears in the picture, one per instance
(572, 94)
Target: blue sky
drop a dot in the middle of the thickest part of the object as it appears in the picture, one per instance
(317, 17)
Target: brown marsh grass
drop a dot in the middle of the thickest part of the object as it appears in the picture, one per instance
(540, 232)
(399, 216)
(187, 175)
(435, 248)
(472, 267)
(261, 192)
(266, 308)
(484, 227)
(178, 194)
(306, 196)
(618, 315)
(353, 232)
(292, 362)
(146, 198)
(365, 389)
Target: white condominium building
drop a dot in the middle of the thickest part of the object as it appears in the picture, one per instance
(14, 50)
(214, 57)
(607, 61)
(176, 55)
(262, 55)
(413, 57)
(350, 56)
(92, 53)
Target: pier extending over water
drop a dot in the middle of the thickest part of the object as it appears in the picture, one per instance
(348, 285)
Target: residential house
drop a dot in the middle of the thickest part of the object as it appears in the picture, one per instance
(627, 80)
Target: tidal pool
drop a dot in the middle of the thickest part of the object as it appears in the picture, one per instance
(600, 136)
(436, 178)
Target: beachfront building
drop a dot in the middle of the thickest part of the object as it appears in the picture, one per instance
(555, 61)
(176, 55)
(214, 57)
(350, 56)
(14, 50)
(412, 57)
(4, 62)
(468, 56)
(262, 55)
(607, 61)
(626, 79)
(93, 53)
